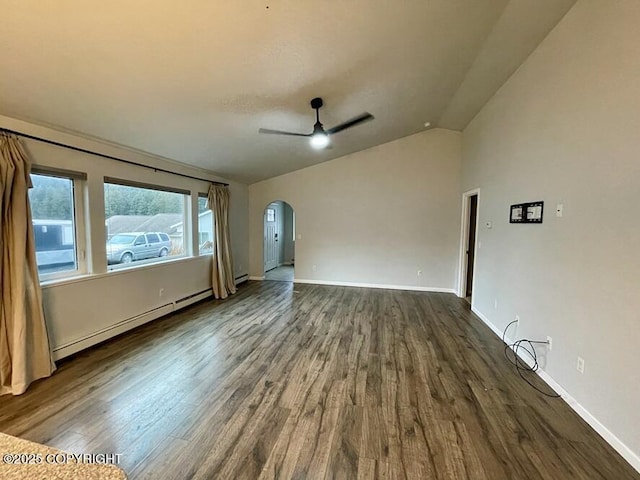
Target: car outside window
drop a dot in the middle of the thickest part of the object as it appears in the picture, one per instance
(121, 240)
(153, 213)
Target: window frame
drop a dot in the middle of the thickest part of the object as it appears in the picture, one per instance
(186, 223)
(197, 228)
(78, 186)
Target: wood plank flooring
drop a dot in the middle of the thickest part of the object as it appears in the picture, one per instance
(304, 381)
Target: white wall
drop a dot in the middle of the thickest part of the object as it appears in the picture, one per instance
(80, 308)
(279, 207)
(289, 251)
(375, 217)
(566, 129)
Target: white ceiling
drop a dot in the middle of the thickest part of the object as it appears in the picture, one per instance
(193, 81)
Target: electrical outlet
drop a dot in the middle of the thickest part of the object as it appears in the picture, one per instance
(580, 365)
(161, 292)
(550, 343)
(495, 304)
(314, 268)
(419, 273)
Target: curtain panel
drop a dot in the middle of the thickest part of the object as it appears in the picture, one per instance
(25, 353)
(223, 281)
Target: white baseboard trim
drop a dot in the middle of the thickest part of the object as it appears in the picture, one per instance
(259, 279)
(375, 285)
(109, 332)
(121, 327)
(493, 328)
(618, 445)
(185, 302)
(241, 279)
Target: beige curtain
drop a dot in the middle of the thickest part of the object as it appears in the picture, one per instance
(25, 354)
(223, 281)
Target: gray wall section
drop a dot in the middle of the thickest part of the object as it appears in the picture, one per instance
(288, 240)
(564, 129)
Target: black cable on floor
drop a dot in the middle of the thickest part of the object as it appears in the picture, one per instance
(521, 365)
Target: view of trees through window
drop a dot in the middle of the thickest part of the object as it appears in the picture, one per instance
(142, 224)
(52, 213)
(50, 198)
(124, 200)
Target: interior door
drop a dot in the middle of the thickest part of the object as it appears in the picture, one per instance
(471, 242)
(271, 245)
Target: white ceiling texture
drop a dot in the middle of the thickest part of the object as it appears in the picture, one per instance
(194, 81)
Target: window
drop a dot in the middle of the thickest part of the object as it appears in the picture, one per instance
(271, 215)
(205, 226)
(55, 203)
(144, 224)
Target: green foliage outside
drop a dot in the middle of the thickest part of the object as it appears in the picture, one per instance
(52, 199)
(121, 200)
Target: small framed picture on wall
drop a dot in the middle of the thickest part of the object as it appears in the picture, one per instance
(516, 214)
(530, 212)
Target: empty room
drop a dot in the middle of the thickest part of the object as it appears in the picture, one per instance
(336, 240)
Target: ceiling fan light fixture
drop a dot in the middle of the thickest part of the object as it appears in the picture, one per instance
(319, 140)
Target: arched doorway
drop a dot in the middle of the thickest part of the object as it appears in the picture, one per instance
(279, 242)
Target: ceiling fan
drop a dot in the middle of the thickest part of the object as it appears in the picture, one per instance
(320, 138)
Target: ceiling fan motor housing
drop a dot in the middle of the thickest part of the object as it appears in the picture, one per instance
(321, 135)
(317, 103)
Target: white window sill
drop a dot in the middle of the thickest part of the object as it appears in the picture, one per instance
(119, 271)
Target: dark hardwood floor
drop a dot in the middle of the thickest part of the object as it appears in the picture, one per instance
(304, 381)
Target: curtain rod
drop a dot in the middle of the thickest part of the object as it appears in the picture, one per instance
(110, 157)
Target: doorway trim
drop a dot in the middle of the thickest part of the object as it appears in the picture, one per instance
(464, 234)
(286, 256)
(271, 246)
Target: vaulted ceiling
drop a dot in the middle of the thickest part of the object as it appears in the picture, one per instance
(193, 81)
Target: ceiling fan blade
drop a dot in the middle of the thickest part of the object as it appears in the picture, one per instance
(364, 117)
(280, 132)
